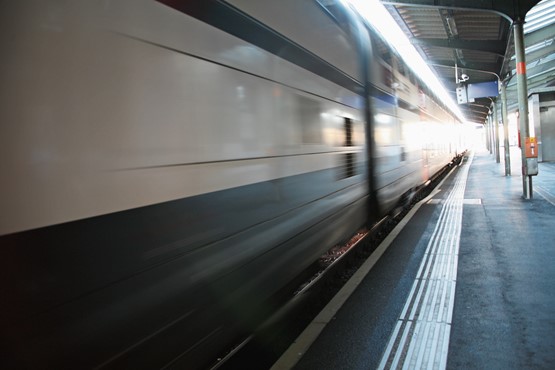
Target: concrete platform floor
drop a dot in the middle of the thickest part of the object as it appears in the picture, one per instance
(503, 310)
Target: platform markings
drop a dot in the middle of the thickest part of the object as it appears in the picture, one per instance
(303, 342)
(545, 194)
(421, 336)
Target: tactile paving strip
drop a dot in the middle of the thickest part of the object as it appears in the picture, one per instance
(420, 339)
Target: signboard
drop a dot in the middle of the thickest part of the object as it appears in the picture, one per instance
(531, 148)
(467, 93)
(482, 90)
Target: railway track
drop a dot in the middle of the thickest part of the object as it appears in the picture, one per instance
(304, 298)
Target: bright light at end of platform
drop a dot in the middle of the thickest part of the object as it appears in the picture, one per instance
(379, 18)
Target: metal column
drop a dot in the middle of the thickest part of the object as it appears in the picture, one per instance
(491, 136)
(505, 120)
(491, 133)
(496, 130)
(522, 102)
(488, 141)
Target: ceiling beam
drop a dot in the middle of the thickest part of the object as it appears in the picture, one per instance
(477, 114)
(491, 68)
(541, 53)
(536, 71)
(476, 119)
(510, 9)
(474, 110)
(489, 46)
(512, 97)
(545, 33)
(477, 111)
(538, 80)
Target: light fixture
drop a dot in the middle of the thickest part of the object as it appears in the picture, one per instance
(452, 26)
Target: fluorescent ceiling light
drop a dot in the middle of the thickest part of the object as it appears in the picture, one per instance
(379, 18)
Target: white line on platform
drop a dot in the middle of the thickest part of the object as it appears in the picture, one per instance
(431, 312)
(546, 194)
(303, 342)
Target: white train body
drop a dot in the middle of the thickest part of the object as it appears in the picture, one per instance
(167, 169)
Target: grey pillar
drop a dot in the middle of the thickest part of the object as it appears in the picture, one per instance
(488, 140)
(491, 133)
(491, 138)
(496, 130)
(522, 103)
(505, 129)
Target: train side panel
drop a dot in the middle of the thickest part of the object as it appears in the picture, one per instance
(163, 179)
(414, 135)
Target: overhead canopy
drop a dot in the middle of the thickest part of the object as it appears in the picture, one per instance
(476, 37)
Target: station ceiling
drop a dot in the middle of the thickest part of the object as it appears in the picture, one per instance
(477, 37)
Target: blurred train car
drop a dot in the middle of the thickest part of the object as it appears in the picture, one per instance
(168, 166)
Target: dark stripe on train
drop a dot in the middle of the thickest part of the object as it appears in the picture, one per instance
(37, 263)
(233, 21)
(99, 288)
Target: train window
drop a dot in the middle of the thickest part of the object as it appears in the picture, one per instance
(400, 67)
(412, 78)
(383, 51)
(347, 166)
(387, 79)
(348, 132)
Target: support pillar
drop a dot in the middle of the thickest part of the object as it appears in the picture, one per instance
(488, 140)
(491, 138)
(522, 103)
(491, 134)
(505, 120)
(496, 131)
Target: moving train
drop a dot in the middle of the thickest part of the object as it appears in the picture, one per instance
(168, 166)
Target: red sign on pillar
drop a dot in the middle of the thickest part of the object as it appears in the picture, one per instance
(531, 147)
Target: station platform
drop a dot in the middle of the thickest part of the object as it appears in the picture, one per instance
(465, 281)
